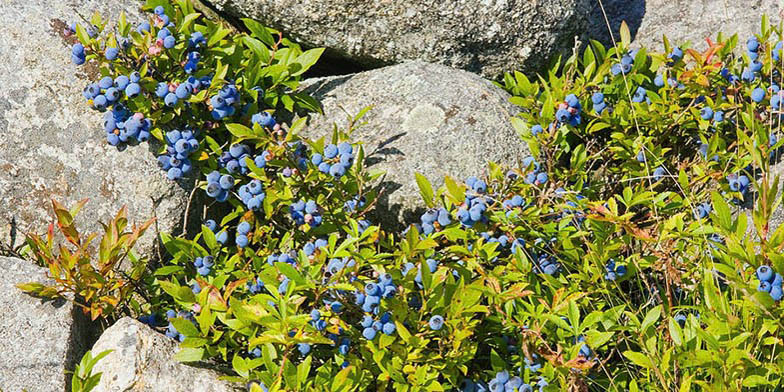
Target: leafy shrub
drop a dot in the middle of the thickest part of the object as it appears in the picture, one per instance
(101, 287)
(610, 260)
(83, 379)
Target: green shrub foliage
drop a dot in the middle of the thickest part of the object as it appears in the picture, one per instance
(634, 250)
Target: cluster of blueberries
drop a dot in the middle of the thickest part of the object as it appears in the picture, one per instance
(283, 257)
(547, 265)
(179, 146)
(223, 102)
(371, 296)
(502, 382)
(241, 239)
(165, 38)
(738, 183)
(776, 98)
(252, 194)
(432, 265)
(513, 204)
(264, 119)
(569, 111)
(640, 95)
(311, 247)
(770, 282)
(172, 93)
(222, 236)
(107, 91)
(171, 331)
(354, 204)
(161, 18)
(372, 327)
(706, 113)
(255, 286)
(676, 54)
(234, 159)
(749, 73)
(203, 265)
(335, 160)
(625, 66)
(703, 210)
(475, 203)
(658, 81)
(78, 56)
(433, 215)
(334, 266)
(599, 105)
(218, 185)
(303, 212)
(536, 176)
(613, 272)
(122, 128)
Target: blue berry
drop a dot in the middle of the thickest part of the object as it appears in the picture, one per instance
(765, 273)
(758, 94)
(133, 89)
(369, 333)
(111, 53)
(436, 322)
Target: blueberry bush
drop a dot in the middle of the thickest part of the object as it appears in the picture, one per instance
(635, 249)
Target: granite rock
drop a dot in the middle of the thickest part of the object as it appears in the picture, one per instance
(681, 20)
(39, 339)
(53, 146)
(141, 360)
(482, 36)
(425, 118)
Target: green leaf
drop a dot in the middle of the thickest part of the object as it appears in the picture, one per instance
(259, 31)
(209, 238)
(240, 131)
(258, 48)
(307, 60)
(626, 36)
(185, 327)
(651, 317)
(456, 191)
(189, 354)
(425, 189)
(638, 359)
(755, 381)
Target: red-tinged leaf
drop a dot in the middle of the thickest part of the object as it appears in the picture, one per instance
(233, 286)
(64, 217)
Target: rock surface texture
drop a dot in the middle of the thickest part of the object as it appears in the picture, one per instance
(482, 36)
(39, 340)
(142, 361)
(682, 20)
(52, 145)
(426, 118)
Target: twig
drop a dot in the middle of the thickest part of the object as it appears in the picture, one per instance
(188, 208)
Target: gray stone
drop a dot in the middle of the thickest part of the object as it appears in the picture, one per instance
(482, 36)
(39, 340)
(52, 145)
(141, 360)
(682, 20)
(426, 118)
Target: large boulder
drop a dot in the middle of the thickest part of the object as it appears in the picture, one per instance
(39, 340)
(486, 37)
(425, 118)
(53, 145)
(141, 360)
(681, 20)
